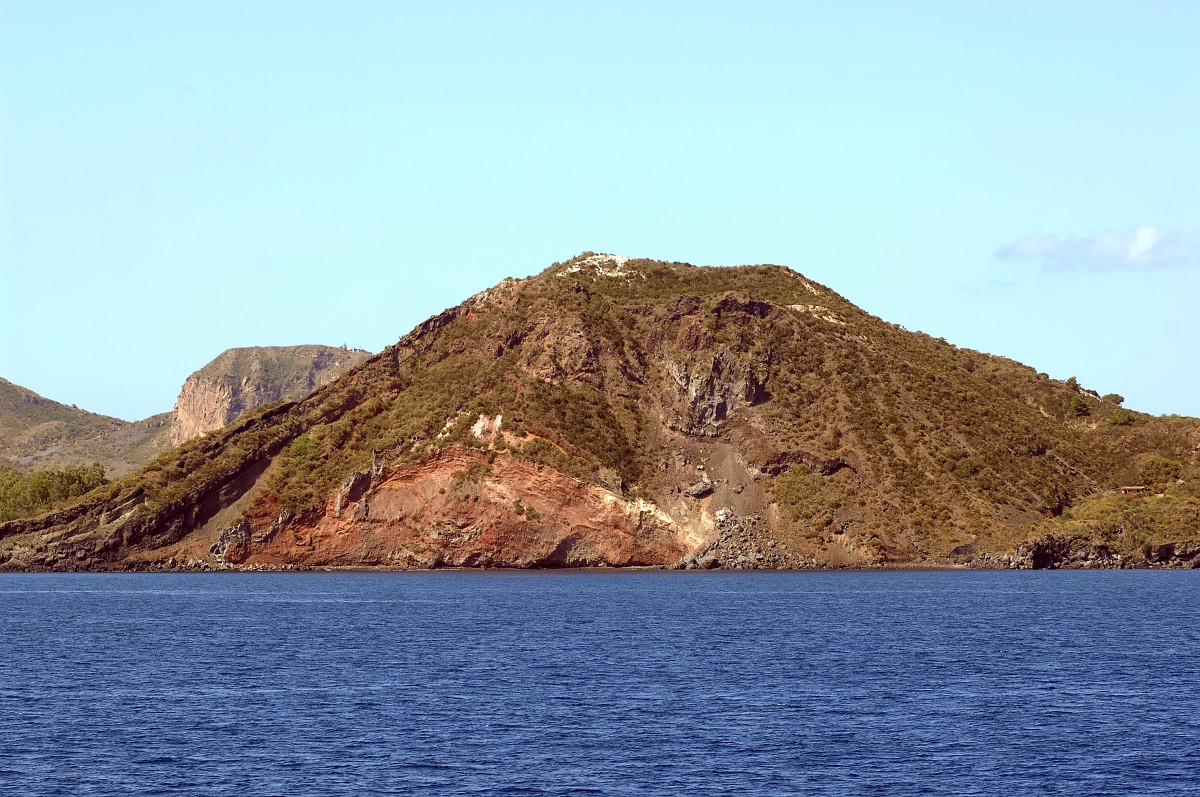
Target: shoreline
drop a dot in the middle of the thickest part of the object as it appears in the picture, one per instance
(309, 569)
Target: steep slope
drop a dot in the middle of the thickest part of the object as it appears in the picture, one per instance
(241, 379)
(37, 433)
(616, 411)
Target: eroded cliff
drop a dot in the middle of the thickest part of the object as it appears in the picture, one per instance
(239, 380)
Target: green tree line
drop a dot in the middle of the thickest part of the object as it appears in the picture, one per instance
(24, 494)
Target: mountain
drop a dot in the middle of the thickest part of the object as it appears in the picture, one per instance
(611, 411)
(37, 433)
(241, 379)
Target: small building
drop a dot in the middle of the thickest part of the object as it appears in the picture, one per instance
(1135, 490)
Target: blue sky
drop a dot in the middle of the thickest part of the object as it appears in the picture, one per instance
(179, 178)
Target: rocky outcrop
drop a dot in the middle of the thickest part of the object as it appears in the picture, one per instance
(241, 379)
(1066, 553)
(1174, 554)
(713, 380)
(232, 546)
(743, 543)
(1053, 552)
(469, 508)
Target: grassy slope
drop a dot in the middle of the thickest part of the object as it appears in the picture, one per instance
(37, 433)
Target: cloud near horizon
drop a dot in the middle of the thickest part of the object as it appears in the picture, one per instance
(1143, 247)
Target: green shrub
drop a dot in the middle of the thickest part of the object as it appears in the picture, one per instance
(1158, 471)
(23, 495)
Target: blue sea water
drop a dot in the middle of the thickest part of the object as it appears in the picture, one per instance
(558, 683)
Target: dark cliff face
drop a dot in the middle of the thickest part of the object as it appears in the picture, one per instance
(1054, 552)
(615, 411)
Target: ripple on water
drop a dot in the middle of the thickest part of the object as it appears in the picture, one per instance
(601, 683)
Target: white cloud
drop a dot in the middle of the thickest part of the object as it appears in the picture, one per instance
(1142, 247)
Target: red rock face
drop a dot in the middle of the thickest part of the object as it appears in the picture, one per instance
(459, 509)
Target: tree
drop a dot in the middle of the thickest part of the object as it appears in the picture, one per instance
(1115, 398)
(1158, 471)
(1079, 408)
(28, 494)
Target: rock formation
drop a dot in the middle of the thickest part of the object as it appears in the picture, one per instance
(239, 380)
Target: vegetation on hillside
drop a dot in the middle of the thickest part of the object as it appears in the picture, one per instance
(891, 442)
(23, 494)
(949, 444)
(37, 433)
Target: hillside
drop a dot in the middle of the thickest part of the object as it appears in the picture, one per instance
(630, 412)
(37, 433)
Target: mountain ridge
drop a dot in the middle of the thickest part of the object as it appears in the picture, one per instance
(39, 433)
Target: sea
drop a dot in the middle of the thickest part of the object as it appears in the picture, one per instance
(601, 683)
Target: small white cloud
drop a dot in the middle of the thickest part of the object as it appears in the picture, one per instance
(1031, 247)
(1146, 246)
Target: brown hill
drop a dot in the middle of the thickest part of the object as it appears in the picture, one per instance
(615, 411)
(37, 433)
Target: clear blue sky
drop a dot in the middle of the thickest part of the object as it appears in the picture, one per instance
(178, 178)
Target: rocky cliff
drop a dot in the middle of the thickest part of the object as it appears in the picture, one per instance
(241, 379)
(631, 412)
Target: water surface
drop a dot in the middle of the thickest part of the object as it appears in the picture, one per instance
(895, 683)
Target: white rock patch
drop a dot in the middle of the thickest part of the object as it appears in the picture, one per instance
(603, 265)
(823, 313)
(486, 426)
